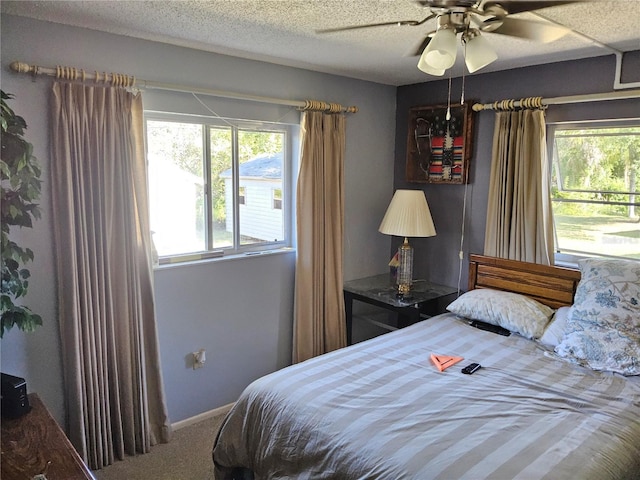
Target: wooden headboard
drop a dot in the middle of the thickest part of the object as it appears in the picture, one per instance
(553, 286)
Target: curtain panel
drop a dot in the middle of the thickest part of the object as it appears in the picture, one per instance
(319, 317)
(519, 217)
(113, 386)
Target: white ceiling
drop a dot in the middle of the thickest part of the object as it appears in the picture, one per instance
(284, 31)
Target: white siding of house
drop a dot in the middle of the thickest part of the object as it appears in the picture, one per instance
(258, 218)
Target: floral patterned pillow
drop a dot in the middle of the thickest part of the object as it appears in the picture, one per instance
(603, 329)
(515, 312)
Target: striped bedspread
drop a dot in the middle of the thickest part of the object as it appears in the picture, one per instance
(381, 410)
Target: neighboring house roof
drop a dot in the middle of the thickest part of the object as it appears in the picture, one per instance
(262, 166)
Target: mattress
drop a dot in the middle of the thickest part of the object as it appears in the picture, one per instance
(380, 409)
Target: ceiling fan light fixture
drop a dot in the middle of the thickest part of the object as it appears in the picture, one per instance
(440, 54)
(478, 52)
(426, 68)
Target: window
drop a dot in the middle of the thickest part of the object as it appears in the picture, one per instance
(277, 198)
(595, 172)
(211, 184)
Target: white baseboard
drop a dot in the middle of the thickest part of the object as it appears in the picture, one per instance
(202, 416)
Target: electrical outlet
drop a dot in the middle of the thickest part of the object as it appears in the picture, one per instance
(199, 358)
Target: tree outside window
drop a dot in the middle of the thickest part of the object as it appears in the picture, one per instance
(594, 190)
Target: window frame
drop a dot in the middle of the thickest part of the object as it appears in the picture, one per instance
(571, 258)
(291, 136)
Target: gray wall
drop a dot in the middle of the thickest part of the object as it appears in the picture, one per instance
(436, 258)
(239, 310)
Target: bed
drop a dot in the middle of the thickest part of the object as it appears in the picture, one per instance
(380, 409)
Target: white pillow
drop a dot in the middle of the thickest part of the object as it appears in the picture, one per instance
(555, 331)
(515, 312)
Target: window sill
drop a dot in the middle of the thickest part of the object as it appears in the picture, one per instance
(223, 258)
(571, 260)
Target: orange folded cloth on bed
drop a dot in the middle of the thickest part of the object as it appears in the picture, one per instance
(443, 362)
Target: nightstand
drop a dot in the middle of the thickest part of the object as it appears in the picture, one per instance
(426, 299)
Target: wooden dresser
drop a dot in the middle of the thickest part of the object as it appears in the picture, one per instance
(30, 442)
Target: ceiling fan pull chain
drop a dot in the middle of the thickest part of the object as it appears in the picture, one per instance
(463, 75)
(448, 117)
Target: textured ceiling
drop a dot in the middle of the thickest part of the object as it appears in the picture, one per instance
(284, 31)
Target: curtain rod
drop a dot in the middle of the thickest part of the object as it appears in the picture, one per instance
(122, 80)
(539, 102)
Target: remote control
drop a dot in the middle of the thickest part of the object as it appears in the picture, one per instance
(469, 369)
(490, 328)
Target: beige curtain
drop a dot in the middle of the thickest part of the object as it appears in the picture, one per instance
(519, 218)
(319, 318)
(113, 387)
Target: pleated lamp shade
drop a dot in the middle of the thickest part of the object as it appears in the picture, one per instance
(408, 215)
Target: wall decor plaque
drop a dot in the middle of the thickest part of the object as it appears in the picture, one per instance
(439, 148)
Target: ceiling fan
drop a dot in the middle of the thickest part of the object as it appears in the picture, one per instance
(470, 18)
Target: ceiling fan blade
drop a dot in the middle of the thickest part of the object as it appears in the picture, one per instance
(532, 30)
(356, 27)
(446, 3)
(399, 23)
(416, 52)
(519, 6)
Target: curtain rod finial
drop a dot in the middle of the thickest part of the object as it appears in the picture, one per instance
(21, 67)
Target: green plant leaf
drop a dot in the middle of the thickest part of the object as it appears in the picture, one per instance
(21, 188)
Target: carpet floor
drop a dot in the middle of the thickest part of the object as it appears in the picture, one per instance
(186, 457)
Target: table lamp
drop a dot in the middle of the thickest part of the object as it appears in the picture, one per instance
(408, 215)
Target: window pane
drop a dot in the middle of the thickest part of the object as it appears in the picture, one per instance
(216, 187)
(594, 191)
(277, 198)
(260, 155)
(222, 186)
(176, 187)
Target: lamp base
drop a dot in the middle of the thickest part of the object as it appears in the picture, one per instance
(404, 291)
(405, 270)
